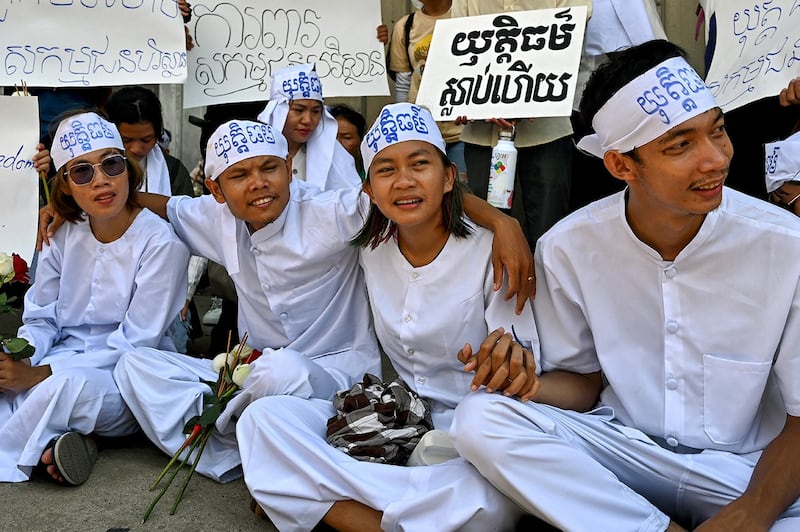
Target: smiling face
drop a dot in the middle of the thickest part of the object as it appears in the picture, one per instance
(407, 182)
(138, 138)
(104, 197)
(301, 122)
(677, 177)
(256, 190)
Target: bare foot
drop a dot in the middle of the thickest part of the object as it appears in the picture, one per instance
(52, 470)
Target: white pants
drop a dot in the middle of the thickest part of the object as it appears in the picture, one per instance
(82, 400)
(164, 390)
(584, 472)
(296, 477)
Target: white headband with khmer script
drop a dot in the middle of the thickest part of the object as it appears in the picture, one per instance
(663, 97)
(400, 122)
(237, 140)
(83, 133)
(782, 163)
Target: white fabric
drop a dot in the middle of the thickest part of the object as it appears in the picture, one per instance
(156, 173)
(782, 162)
(400, 122)
(423, 318)
(81, 134)
(90, 302)
(409, 303)
(585, 472)
(328, 165)
(237, 140)
(672, 337)
(663, 97)
(299, 287)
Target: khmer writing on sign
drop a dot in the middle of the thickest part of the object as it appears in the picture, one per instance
(241, 43)
(515, 65)
(91, 42)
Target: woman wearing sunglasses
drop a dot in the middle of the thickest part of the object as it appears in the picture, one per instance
(111, 282)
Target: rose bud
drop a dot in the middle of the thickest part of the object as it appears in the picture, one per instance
(240, 374)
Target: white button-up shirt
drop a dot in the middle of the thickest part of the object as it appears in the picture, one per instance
(298, 280)
(424, 315)
(93, 301)
(701, 351)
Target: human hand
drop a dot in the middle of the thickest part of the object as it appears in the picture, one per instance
(186, 10)
(42, 160)
(383, 33)
(185, 310)
(501, 364)
(19, 376)
(791, 94)
(188, 38)
(733, 518)
(511, 254)
(49, 222)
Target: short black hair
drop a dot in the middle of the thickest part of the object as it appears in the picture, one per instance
(352, 116)
(135, 104)
(623, 67)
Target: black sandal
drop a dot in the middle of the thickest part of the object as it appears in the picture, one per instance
(74, 456)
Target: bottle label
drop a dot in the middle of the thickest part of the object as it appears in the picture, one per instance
(501, 180)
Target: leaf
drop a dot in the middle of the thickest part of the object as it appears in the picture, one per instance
(194, 420)
(209, 415)
(19, 348)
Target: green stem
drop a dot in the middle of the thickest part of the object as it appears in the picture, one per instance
(172, 461)
(43, 176)
(204, 439)
(171, 478)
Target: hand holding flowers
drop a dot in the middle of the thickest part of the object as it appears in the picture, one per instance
(13, 273)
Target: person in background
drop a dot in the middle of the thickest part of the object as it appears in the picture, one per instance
(352, 126)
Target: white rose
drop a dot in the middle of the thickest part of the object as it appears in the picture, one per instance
(219, 362)
(246, 351)
(6, 268)
(240, 374)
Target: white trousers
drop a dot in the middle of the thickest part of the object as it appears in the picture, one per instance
(82, 400)
(585, 472)
(164, 390)
(296, 477)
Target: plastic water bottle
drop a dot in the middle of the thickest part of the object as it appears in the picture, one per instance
(502, 171)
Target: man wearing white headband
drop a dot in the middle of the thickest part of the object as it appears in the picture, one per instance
(295, 108)
(301, 295)
(782, 172)
(669, 314)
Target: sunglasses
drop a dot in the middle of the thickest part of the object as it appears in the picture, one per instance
(83, 173)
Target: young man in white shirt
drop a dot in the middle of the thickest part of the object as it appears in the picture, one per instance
(673, 308)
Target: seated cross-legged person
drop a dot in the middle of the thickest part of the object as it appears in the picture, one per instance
(426, 306)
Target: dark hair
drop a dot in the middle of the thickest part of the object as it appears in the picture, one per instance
(352, 116)
(378, 228)
(136, 104)
(623, 67)
(64, 204)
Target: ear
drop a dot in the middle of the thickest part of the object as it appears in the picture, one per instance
(213, 186)
(621, 166)
(367, 187)
(289, 169)
(450, 173)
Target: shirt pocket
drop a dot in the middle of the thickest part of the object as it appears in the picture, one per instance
(732, 392)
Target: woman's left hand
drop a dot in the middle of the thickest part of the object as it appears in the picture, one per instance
(19, 376)
(511, 253)
(501, 364)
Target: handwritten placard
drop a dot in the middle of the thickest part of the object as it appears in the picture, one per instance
(56, 43)
(757, 51)
(19, 202)
(239, 44)
(513, 65)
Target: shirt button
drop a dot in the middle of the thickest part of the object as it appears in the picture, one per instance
(411, 351)
(284, 315)
(670, 272)
(265, 286)
(421, 380)
(672, 442)
(672, 384)
(102, 250)
(407, 317)
(256, 251)
(414, 276)
(672, 327)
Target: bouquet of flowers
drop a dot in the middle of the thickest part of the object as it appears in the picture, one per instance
(13, 274)
(233, 368)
